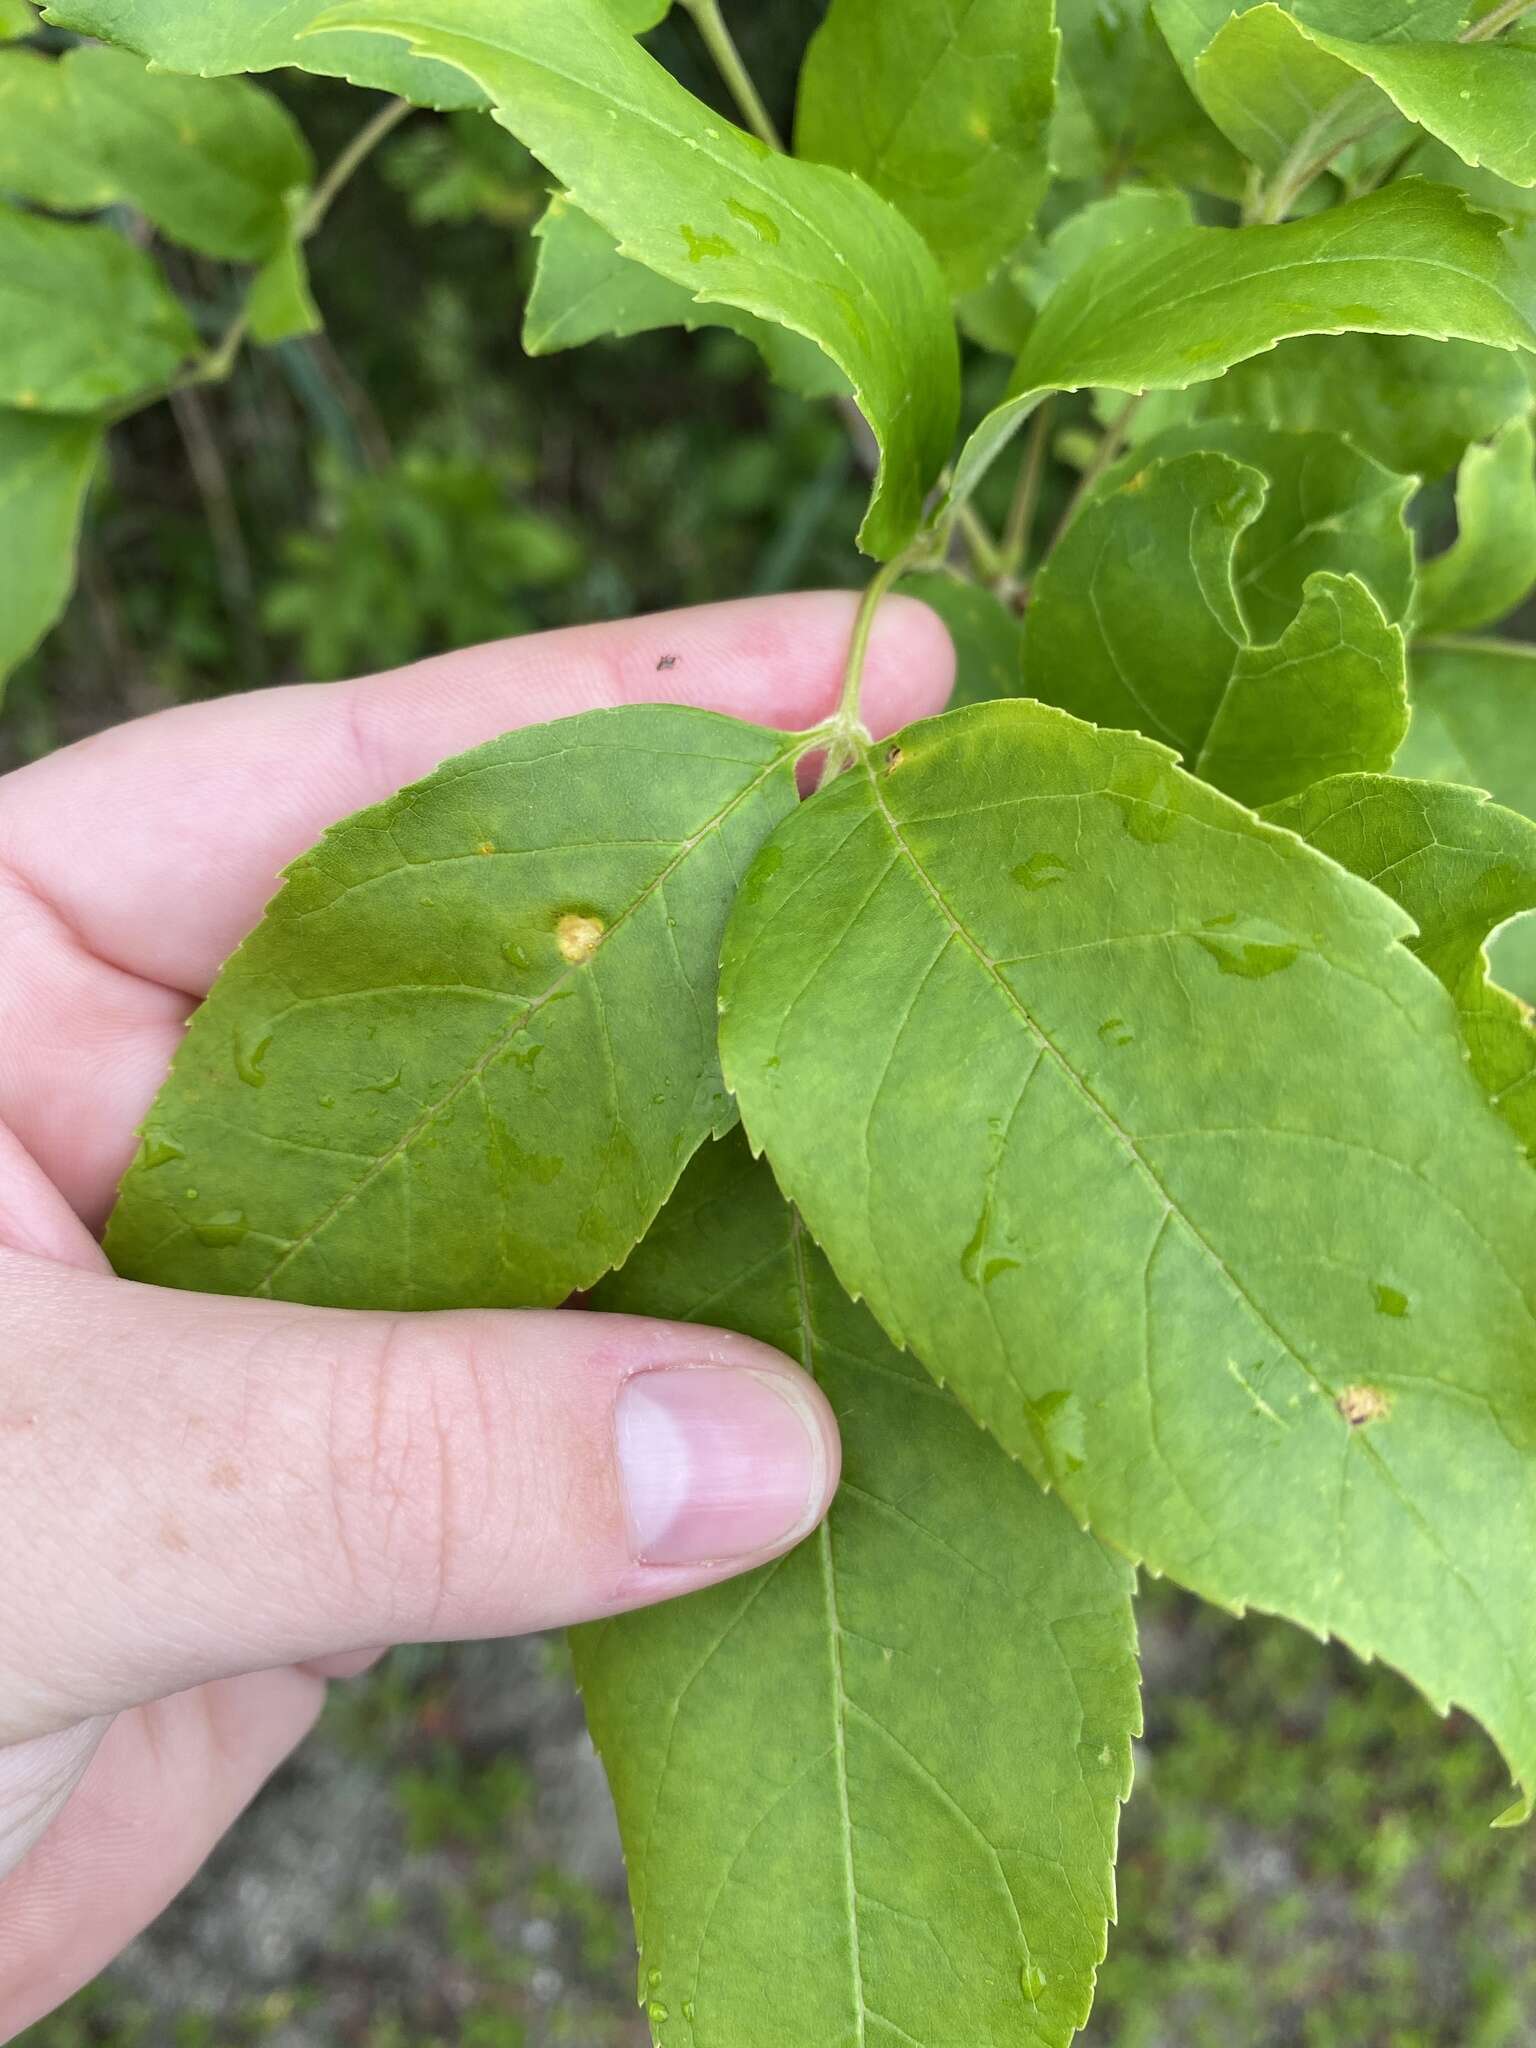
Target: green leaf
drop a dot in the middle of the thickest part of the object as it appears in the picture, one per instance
(1461, 867)
(1327, 507)
(639, 15)
(1414, 405)
(1210, 1225)
(1002, 313)
(1491, 566)
(711, 208)
(796, 1772)
(17, 18)
(945, 111)
(1191, 26)
(210, 162)
(281, 305)
(1474, 718)
(988, 636)
(1178, 309)
(1138, 620)
(469, 1050)
(1116, 60)
(45, 469)
(584, 290)
(212, 41)
(1282, 89)
(44, 156)
(125, 333)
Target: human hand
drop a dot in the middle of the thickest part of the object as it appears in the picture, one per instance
(210, 1506)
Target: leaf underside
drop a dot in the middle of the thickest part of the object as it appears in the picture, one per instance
(465, 1056)
(869, 1793)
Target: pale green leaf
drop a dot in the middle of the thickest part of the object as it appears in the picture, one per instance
(214, 40)
(944, 110)
(125, 333)
(1491, 565)
(281, 305)
(1002, 313)
(17, 18)
(1474, 718)
(1328, 506)
(1191, 26)
(1461, 867)
(639, 15)
(1282, 90)
(988, 635)
(1414, 405)
(584, 290)
(796, 1775)
(1178, 309)
(45, 469)
(44, 156)
(1132, 1117)
(469, 1050)
(711, 208)
(1138, 620)
(210, 162)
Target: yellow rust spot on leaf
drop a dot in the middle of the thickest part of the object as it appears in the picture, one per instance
(579, 937)
(485, 846)
(1360, 1405)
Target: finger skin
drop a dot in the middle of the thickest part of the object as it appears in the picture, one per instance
(272, 1484)
(164, 1785)
(132, 864)
(196, 810)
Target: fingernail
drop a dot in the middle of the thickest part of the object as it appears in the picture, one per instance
(716, 1462)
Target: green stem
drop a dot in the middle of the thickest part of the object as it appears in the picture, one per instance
(1107, 452)
(718, 40)
(1020, 523)
(1496, 20)
(219, 361)
(986, 558)
(351, 160)
(843, 732)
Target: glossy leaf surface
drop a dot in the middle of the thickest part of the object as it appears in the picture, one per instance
(213, 41)
(1178, 309)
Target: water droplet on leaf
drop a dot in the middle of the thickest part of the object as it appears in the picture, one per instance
(763, 225)
(219, 1232)
(248, 1061)
(699, 246)
(1040, 871)
(1390, 1301)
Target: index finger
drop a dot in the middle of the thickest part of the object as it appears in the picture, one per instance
(159, 843)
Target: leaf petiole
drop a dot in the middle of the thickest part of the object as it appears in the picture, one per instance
(721, 45)
(843, 732)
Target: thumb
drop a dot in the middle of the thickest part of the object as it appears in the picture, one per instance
(204, 1486)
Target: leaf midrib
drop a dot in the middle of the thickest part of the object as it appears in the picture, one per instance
(835, 1653)
(1172, 1209)
(477, 1069)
